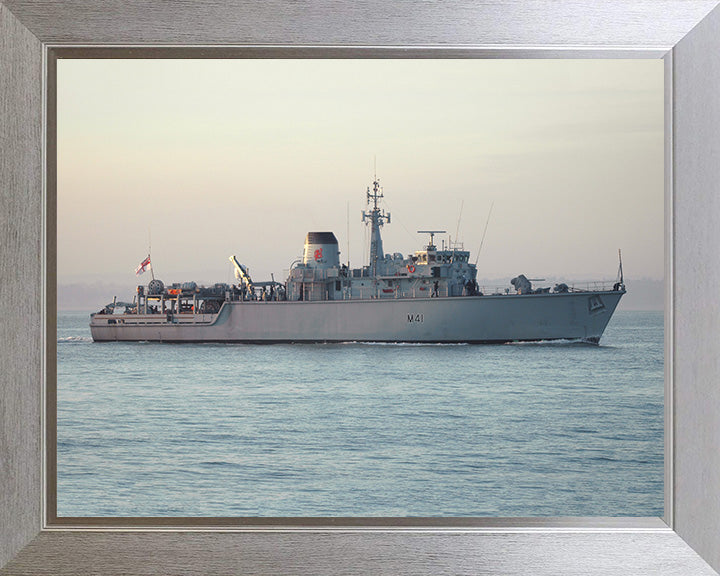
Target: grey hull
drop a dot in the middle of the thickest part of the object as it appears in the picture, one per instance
(472, 319)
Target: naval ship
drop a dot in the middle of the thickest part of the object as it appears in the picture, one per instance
(430, 296)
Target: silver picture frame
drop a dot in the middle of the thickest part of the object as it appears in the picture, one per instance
(685, 33)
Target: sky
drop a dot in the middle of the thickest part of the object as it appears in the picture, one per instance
(202, 159)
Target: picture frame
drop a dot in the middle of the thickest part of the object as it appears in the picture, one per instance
(685, 34)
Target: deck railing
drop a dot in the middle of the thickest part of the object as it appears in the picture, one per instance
(596, 286)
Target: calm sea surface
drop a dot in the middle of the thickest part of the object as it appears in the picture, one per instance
(543, 429)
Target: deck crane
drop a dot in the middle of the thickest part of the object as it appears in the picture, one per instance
(241, 273)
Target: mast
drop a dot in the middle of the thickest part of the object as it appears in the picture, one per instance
(482, 240)
(376, 217)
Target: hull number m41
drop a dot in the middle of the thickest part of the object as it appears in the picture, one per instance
(415, 318)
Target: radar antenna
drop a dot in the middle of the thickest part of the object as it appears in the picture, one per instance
(431, 245)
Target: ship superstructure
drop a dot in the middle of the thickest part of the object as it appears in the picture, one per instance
(431, 295)
(426, 273)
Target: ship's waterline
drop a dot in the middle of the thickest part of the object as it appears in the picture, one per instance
(481, 319)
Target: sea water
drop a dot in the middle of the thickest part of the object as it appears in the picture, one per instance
(361, 429)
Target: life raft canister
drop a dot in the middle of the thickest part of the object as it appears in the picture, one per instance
(411, 268)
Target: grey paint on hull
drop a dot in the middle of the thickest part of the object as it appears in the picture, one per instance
(499, 318)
